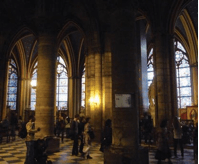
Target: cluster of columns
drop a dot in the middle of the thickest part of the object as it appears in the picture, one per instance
(113, 72)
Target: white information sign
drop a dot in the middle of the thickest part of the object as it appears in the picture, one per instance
(122, 100)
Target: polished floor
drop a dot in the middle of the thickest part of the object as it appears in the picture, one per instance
(14, 152)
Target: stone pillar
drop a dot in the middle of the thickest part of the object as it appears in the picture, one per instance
(4, 87)
(2, 79)
(94, 77)
(97, 120)
(172, 77)
(125, 143)
(89, 74)
(73, 99)
(71, 110)
(106, 80)
(45, 92)
(142, 51)
(194, 79)
(165, 82)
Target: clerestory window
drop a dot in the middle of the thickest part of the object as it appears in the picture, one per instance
(150, 69)
(12, 85)
(183, 76)
(83, 90)
(33, 88)
(62, 85)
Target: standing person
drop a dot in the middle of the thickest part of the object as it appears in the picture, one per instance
(106, 139)
(30, 127)
(20, 122)
(87, 139)
(74, 134)
(148, 128)
(163, 150)
(195, 143)
(13, 124)
(177, 132)
(82, 122)
(60, 128)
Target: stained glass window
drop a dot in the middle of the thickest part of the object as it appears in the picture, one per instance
(12, 85)
(83, 90)
(33, 88)
(183, 76)
(150, 70)
(62, 85)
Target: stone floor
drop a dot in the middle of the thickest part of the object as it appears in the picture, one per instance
(14, 152)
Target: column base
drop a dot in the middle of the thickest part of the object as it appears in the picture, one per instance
(126, 155)
(53, 145)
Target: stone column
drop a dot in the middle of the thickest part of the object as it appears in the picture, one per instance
(3, 69)
(90, 82)
(71, 110)
(125, 145)
(194, 73)
(4, 87)
(97, 120)
(106, 80)
(45, 91)
(94, 78)
(165, 83)
(142, 51)
(73, 99)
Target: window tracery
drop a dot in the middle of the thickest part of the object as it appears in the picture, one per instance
(62, 85)
(183, 76)
(12, 85)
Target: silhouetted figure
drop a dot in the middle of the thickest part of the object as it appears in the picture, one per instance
(60, 128)
(163, 150)
(13, 124)
(195, 142)
(30, 141)
(106, 139)
(177, 132)
(74, 134)
(87, 139)
(82, 122)
(148, 127)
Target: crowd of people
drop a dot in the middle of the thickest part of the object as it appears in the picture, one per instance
(10, 124)
(81, 132)
(170, 133)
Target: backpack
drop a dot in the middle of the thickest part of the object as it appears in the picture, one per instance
(23, 130)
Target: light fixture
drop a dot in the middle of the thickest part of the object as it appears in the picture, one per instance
(33, 84)
(94, 100)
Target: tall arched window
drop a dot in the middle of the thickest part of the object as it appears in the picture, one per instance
(33, 88)
(150, 70)
(183, 76)
(62, 85)
(83, 90)
(12, 85)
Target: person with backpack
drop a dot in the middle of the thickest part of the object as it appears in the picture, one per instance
(30, 127)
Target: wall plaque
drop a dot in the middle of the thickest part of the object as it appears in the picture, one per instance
(123, 100)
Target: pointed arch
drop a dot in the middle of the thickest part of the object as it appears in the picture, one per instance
(191, 36)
